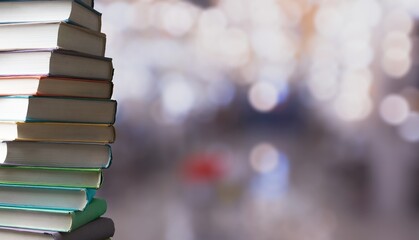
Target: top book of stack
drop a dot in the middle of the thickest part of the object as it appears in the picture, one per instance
(74, 12)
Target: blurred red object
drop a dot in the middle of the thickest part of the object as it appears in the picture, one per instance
(203, 167)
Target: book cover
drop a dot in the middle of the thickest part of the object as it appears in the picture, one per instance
(50, 219)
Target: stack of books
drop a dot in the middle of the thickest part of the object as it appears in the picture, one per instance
(56, 120)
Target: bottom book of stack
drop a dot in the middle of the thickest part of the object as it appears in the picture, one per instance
(100, 229)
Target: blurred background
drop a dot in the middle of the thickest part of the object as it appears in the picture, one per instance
(264, 119)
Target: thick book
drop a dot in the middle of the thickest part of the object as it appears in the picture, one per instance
(55, 62)
(75, 12)
(55, 155)
(51, 35)
(57, 132)
(45, 197)
(54, 109)
(53, 177)
(52, 86)
(100, 229)
(51, 220)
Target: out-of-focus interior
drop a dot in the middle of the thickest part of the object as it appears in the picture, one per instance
(264, 119)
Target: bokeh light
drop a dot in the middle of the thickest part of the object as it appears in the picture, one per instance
(394, 109)
(263, 96)
(264, 158)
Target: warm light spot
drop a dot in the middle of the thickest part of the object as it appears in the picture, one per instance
(263, 96)
(264, 158)
(394, 109)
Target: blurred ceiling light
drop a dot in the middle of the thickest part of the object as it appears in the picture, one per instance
(323, 84)
(293, 11)
(353, 107)
(264, 13)
(235, 10)
(328, 21)
(264, 158)
(367, 13)
(357, 54)
(178, 19)
(397, 40)
(141, 20)
(398, 20)
(396, 62)
(273, 45)
(357, 82)
(394, 109)
(233, 47)
(409, 129)
(178, 97)
(212, 21)
(263, 96)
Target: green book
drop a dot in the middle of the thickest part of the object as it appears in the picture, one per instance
(54, 155)
(72, 199)
(51, 220)
(54, 177)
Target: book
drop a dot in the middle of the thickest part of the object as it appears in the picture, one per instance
(55, 155)
(12, 11)
(51, 220)
(56, 132)
(100, 229)
(51, 35)
(53, 177)
(54, 109)
(89, 3)
(52, 86)
(55, 62)
(45, 197)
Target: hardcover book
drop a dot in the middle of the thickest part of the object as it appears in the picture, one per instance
(51, 35)
(57, 132)
(100, 229)
(55, 155)
(47, 11)
(72, 199)
(51, 220)
(54, 109)
(52, 86)
(57, 63)
(53, 177)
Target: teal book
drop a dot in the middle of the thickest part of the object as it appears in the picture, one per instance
(55, 155)
(75, 12)
(53, 177)
(56, 109)
(51, 220)
(24, 196)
